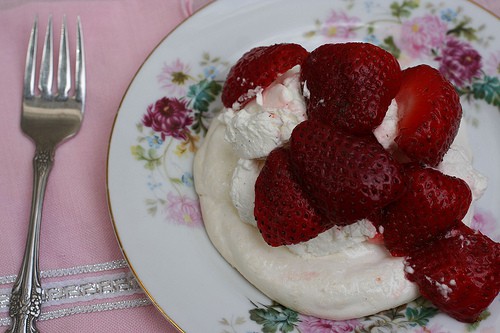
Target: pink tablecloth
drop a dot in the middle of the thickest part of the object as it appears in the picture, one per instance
(88, 285)
(84, 270)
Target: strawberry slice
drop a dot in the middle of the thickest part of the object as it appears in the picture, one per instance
(430, 112)
(350, 85)
(459, 272)
(432, 204)
(283, 213)
(347, 177)
(257, 69)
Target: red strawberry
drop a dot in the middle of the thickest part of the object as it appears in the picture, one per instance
(350, 85)
(430, 113)
(258, 68)
(459, 272)
(347, 177)
(377, 239)
(432, 204)
(283, 213)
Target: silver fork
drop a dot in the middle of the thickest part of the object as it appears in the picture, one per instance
(48, 119)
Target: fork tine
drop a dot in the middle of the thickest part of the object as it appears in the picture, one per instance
(29, 72)
(63, 70)
(80, 82)
(47, 65)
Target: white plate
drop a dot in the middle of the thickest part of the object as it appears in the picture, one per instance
(150, 189)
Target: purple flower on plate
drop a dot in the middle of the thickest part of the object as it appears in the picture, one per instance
(316, 325)
(183, 210)
(340, 25)
(169, 117)
(421, 34)
(459, 62)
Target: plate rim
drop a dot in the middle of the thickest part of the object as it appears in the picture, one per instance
(107, 170)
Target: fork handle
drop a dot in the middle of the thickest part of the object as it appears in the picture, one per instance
(27, 292)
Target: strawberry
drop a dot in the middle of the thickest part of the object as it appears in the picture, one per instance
(347, 177)
(430, 112)
(257, 69)
(284, 214)
(350, 85)
(458, 272)
(377, 239)
(432, 204)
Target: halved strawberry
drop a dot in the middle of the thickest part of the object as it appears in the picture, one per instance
(257, 69)
(433, 204)
(284, 214)
(459, 272)
(350, 85)
(430, 112)
(347, 177)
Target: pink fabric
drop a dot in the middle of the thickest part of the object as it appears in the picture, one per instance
(491, 5)
(76, 228)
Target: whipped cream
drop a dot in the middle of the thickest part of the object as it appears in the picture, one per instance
(458, 160)
(387, 131)
(243, 188)
(268, 120)
(335, 239)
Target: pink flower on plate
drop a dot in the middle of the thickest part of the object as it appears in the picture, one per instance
(175, 77)
(421, 34)
(183, 210)
(169, 117)
(459, 62)
(485, 222)
(435, 328)
(316, 325)
(492, 64)
(340, 25)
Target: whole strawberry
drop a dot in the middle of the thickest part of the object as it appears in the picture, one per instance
(430, 113)
(432, 204)
(459, 272)
(257, 69)
(347, 177)
(283, 213)
(350, 85)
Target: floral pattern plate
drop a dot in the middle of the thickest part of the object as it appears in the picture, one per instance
(167, 108)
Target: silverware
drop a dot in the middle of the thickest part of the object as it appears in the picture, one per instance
(48, 119)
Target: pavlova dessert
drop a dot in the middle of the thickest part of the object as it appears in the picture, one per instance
(340, 185)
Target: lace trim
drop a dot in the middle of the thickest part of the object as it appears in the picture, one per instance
(107, 266)
(87, 289)
(86, 309)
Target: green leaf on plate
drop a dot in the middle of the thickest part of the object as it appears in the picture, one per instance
(484, 315)
(403, 9)
(488, 89)
(420, 315)
(203, 93)
(275, 318)
(391, 47)
(464, 30)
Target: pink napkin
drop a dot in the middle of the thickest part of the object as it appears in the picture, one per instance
(77, 234)
(89, 286)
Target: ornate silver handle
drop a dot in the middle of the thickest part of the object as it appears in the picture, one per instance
(26, 298)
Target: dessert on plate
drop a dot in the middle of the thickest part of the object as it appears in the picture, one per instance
(341, 185)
